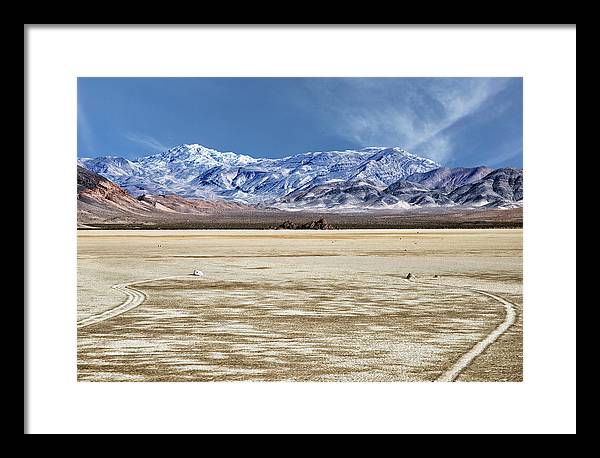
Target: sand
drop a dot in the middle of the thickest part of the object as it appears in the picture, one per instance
(299, 305)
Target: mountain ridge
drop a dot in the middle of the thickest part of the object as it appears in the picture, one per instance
(367, 178)
(192, 170)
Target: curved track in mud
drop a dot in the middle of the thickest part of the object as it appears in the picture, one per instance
(466, 359)
(135, 298)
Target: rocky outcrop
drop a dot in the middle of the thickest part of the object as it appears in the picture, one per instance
(319, 224)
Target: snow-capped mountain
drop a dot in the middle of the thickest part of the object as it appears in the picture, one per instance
(110, 167)
(196, 171)
(502, 188)
(369, 178)
(337, 194)
(448, 179)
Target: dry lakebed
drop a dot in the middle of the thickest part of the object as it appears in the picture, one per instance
(289, 305)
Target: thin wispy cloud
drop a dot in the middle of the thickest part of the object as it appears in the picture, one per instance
(438, 148)
(84, 130)
(501, 159)
(146, 141)
(412, 113)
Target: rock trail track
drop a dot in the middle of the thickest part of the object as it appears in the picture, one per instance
(450, 374)
(135, 298)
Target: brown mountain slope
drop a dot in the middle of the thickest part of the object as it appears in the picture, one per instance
(99, 200)
(173, 203)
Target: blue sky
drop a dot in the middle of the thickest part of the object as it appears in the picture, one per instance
(455, 121)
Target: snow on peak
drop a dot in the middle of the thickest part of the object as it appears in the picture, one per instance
(193, 169)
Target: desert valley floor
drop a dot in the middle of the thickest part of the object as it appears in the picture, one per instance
(300, 305)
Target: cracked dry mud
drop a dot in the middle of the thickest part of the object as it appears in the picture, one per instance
(299, 305)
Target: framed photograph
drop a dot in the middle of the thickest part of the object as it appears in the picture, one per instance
(308, 223)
